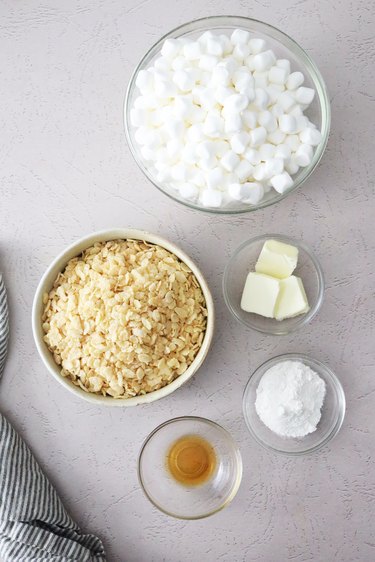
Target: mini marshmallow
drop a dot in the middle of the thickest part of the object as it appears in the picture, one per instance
(230, 63)
(273, 92)
(214, 178)
(183, 80)
(261, 98)
(249, 192)
(287, 123)
(276, 137)
(206, 150)
(252, 156)
(293, 142)
(236, 103)
(260, 172)
(261, 79)
(274, 167)
(284, 63)
(207, 164)
(189, 191)
(195, 133)
(277, 110)
(198, 179)
(211, 198)
(241, 52)
(239, 142)
(240, 37)
(192, 51)
(302, 123)
(170, 48)
(257, 45)
(227, 44)
(221, 93)
(230, 161)
(174, 128)
(165, 89)
(310, 136)
(305, 95)
(296, 111)
(258, 136)
(179, 172)
(303, 155)
(266, 151)
(139, 117)
(208, 62)
(282, 182)
(250, 119)
(283, 151)
(141, 134)
(267, 120)
(291, 166)
(244, 83)
(214, 46)
(250, 62)
(233, 123)
(213, 125)
(220, 76)
(147, 153)
(244, 170)
(179, 63)
(264, 61)
(286, 101)
(144, 81)
(174, 148)
(189, 153)
(295, 80)
(277, 75)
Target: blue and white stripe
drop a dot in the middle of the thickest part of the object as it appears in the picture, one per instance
(4, 325)
(34, 525)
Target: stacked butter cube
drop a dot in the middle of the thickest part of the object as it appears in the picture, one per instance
(271, 290)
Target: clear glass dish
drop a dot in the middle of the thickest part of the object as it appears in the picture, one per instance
(174, 498)
(333, 410)
(244, 259)
(284, 47)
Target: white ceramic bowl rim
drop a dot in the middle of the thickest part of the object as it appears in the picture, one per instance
(59, 264)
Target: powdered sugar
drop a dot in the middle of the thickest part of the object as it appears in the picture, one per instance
(290, 396)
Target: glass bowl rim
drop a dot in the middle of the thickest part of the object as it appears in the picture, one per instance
(306, 318)
(237, 456)
(335, 383)
(322, 93)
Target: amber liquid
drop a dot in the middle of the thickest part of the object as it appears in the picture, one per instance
(191, 460)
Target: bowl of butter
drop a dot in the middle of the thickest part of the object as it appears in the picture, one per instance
(273, 284)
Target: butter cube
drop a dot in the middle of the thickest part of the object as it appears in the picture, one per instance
(277, 259)
(260, 294)
(292, 299)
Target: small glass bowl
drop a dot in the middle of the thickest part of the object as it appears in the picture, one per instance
(319, 111)
(243, 261)
(333, 410)
(181, 501)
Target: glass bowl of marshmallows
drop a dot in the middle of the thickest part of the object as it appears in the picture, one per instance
(293, 404)
(273, 284)
(227, 115)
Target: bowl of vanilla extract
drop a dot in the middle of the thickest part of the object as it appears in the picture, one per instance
(190, 467)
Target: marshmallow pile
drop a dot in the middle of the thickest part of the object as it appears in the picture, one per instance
(220, 119)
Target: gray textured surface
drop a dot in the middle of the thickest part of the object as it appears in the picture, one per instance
(65, 170)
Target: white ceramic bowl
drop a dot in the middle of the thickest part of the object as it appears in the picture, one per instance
(59, 264)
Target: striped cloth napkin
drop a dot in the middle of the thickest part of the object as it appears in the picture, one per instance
(34, 525)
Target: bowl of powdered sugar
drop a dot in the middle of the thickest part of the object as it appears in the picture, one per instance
(293, 404)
